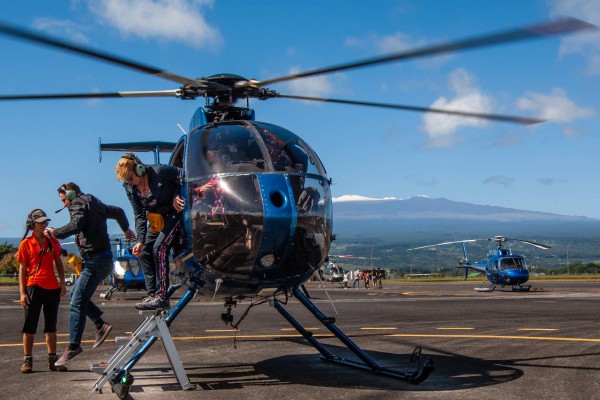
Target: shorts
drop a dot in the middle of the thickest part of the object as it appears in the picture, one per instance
(40, 298)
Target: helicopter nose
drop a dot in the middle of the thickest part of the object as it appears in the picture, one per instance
(280, 218)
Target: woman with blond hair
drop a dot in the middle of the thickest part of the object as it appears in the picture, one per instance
(153, 191)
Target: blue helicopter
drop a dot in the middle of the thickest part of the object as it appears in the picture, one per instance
(127, 272)
(265, 225)
(502, 267)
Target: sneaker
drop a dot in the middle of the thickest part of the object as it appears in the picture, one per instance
(67, 356)
(52, 358)
(101, 334)
(27, 366)
(147, 298)
(153, 304)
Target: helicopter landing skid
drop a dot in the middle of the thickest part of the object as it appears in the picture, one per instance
(521, 288)
(108, 294)
(413, 377)
(482, 288)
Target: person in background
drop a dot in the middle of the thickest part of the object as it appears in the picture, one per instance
(88, 221)
(38, 258)
(153, 191)
(356, 279)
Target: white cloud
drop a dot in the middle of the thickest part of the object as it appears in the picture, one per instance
(62, 28)
(499, 180)
(586, 44)
(422, 180)
(440, 128)
(177, 20)
(551, 181)
(555, 106)
(569, 132)
(394, 43)
(385, 44)
(315, 86)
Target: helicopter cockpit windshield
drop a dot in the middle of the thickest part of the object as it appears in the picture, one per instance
(512, 263)
(260, 200)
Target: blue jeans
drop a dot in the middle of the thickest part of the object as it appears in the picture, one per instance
(95, 270)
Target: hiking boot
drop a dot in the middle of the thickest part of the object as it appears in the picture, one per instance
(27, 366)
(52, 358)
(67, 356)
(101, 334)
(153, 304)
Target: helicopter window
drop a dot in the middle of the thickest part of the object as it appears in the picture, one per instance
(223, 148)
(177, 156)
(512, 263)
(310, 195)
(287, 152)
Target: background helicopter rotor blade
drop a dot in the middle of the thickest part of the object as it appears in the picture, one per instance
(492, 117)
(561, 26)
(159, 93)
(46, 40)
(351, 257)
(445, 243)
(529, 242)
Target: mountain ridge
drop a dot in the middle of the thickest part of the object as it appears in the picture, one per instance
(423, 208)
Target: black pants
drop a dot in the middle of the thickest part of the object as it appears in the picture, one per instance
(41, 299)
(154, 258)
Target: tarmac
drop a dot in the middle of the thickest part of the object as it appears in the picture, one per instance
(501, 344)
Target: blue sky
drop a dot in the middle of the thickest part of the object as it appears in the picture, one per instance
(376, 153)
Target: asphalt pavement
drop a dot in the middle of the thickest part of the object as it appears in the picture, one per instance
(503, 344)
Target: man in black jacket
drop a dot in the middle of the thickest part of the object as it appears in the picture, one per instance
(88, 222)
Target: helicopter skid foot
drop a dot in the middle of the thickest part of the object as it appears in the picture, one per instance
(367, 363)
(414, 377)
(108, 294)
(483, 288)
(521, 288)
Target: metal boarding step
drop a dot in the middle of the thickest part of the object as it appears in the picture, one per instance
(152, 327)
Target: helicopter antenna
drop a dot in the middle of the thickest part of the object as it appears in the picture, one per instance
(327, 293)
(181, 128)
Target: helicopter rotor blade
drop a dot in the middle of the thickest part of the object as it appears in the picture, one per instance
(534, 244)
(351, 257)
(469, 114)
(65, 96)
(561, 26)
(47, 40)
(445, 243)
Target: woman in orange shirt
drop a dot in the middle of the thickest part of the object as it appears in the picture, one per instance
(38, 255)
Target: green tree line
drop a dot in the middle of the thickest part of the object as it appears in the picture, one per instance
(8, 259)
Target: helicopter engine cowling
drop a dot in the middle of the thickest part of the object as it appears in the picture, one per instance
(260, 217)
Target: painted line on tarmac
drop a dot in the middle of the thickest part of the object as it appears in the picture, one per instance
(539, 329)
(326, 335)
(307, 328)
(449, 328)
(544, 338)
(383, 328)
